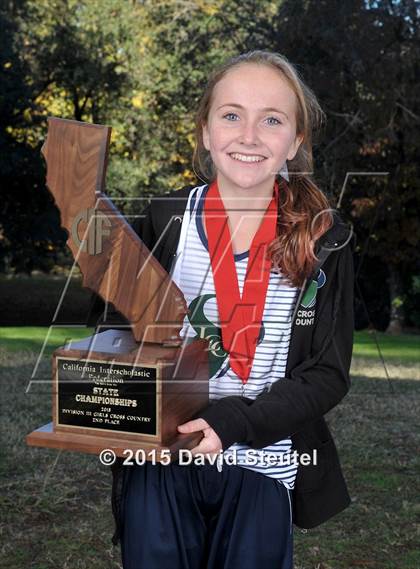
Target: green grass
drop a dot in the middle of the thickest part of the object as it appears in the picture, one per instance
(404, 348)
(17, 338)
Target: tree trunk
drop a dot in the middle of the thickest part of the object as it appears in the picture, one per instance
(396, 320)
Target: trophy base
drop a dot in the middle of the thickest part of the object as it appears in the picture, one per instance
(99, 404)
(45, 436)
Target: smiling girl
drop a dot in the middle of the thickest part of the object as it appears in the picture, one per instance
(267, 274)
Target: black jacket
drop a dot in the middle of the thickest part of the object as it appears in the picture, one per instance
(317, 373)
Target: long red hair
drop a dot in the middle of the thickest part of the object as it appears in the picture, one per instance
(304, 211)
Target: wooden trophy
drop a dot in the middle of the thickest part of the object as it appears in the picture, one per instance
(121, 390)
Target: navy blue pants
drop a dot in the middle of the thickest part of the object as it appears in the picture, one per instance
(195, 517)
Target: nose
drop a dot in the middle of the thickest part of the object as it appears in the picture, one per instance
(249, 133)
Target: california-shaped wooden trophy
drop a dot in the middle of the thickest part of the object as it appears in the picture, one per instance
(123, 390)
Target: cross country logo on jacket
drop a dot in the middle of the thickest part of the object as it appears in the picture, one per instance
(306, 317)
(209, 331)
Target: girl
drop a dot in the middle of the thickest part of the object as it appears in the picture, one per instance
(267, 274)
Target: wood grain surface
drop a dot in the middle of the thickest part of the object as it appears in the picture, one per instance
(113, 260)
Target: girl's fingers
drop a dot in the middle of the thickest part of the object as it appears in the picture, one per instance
(210, 444)
(193, 426)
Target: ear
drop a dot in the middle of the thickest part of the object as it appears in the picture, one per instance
(206, 136)
(295, 147)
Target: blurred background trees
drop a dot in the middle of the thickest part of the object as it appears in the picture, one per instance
(141, 67)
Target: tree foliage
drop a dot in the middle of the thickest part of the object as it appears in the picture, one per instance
(141, 67)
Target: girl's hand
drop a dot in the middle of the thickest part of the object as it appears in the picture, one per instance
(210, 444)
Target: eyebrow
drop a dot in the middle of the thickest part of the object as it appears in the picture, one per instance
(265, 109)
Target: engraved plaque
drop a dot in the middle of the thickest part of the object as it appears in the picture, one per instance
(103, 395)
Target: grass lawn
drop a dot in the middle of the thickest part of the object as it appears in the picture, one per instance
(55, 506)
(18, 338)
(404, 348)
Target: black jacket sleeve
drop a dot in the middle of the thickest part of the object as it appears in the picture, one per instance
(313, 387)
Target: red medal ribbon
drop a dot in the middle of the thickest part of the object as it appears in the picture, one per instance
(240, 318)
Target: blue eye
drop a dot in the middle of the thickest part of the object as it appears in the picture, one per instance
(276, 121)
(227, 115)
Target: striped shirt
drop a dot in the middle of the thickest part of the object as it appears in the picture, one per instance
(194, 277)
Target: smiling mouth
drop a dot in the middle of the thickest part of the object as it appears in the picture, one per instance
(250, 158)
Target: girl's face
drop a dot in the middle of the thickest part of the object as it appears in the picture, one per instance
(251, 127)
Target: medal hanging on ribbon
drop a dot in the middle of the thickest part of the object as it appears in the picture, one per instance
(240, 318)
